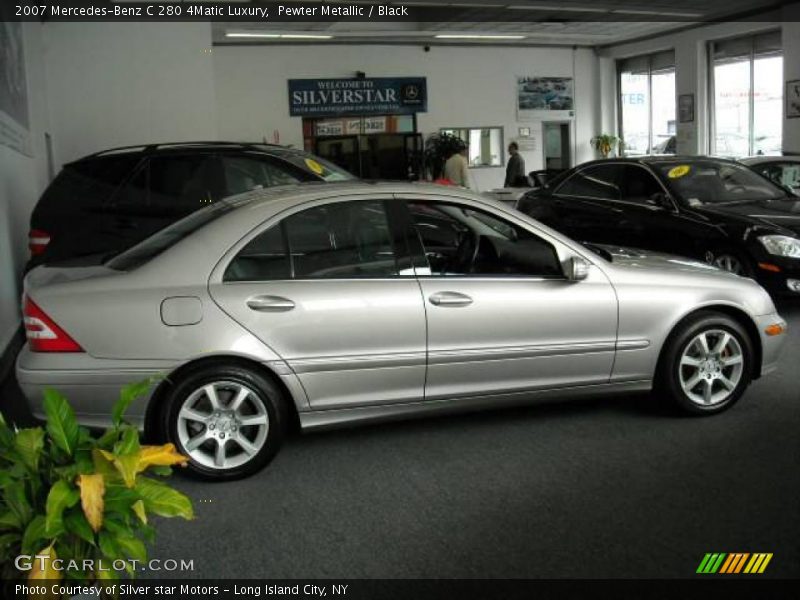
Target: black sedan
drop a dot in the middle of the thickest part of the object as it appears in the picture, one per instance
(705, 208)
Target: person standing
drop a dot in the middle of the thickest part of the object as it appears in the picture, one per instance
(456, 169)
(515, 169)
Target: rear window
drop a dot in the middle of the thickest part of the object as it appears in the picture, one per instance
(145, 251)
(88, 182)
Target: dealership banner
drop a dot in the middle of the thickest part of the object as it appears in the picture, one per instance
(357, 96)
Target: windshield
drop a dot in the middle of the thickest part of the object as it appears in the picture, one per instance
(715, 182)
(157, 243)
(325, 170)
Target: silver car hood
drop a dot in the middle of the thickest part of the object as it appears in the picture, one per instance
(645, 259)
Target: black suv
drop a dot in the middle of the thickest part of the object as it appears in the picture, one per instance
(106, 202)
(705, 208)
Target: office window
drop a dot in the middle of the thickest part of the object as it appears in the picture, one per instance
(485, 144)
(747, 83)
(647, 103)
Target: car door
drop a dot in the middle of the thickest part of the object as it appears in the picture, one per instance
(501, 316)
(655, 220)
(586, 206)
(330, 289)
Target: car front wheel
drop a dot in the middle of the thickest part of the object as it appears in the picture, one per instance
(707, 364)
(228, 420)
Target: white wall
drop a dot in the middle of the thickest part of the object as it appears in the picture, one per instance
(114, 84)
(22, 179)
(692, 71)
(467, 87)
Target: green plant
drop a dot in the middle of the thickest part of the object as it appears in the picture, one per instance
(438, 148)
(83, 499)
(605, 143)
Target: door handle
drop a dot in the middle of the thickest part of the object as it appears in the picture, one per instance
(269, 303)
(450, 299)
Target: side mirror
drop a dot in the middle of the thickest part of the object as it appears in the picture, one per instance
(577, 269)
(661, 200)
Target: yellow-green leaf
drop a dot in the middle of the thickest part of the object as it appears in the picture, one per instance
(29, 444)
(60, 497)
(141, 512)
(162, 500)
(61, 423)
(43, 571)
(92, 487)
(125, 465)
(161, 456)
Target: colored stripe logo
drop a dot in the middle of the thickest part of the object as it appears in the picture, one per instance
(734, 563)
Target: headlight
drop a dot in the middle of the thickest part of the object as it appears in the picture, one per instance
(781, 245)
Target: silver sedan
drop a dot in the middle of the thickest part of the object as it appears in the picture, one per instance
(343, 303)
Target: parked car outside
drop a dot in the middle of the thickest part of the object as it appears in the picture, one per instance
(111, 200)
(346, 303)
(708, 209)
(782, 170)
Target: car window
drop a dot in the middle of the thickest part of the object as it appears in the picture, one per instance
(639, 186)
(716, 182)
(599, 181)
(145, 251)
(172, 186)
(340, 240)
(786, 174)
(183, 184)
(459, 240)
(319, 168)
(87, 184)
(243, 174)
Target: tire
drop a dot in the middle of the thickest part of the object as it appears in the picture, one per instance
(733, 262)
(249, 423)
(697, 382)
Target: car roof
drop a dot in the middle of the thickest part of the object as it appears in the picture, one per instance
(195, 146)
(757, 160)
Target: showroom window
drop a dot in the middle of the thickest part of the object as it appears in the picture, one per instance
(344, 240)
(647, 103)
(485, 144)
(459, 240)
(747, 93)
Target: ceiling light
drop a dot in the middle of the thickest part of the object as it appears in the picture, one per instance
(476, 36)
(557, 8)
(660, 13)
(273, 36)
(250, 34)
(305, 36)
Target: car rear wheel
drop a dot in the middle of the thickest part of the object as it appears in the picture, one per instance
(706, 365)
(228, 420)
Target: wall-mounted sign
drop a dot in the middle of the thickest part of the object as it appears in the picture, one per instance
(371, 95)
(540, 97)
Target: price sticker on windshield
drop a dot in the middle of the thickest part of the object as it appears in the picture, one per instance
(679, 171)
(315, 166)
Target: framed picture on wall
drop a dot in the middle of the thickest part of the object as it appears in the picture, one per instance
(686, 108)
(793, 99)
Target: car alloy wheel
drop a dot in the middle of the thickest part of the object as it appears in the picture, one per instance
(730, 263)
(223, 424)
(711, 367)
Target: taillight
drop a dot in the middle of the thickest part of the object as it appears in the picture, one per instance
(42, 332)
(37, 241)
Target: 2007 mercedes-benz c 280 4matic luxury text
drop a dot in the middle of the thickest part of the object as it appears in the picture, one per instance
(341, 303)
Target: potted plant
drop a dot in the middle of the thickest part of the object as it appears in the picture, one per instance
(438, 148)
(605, 143)
(87, 500)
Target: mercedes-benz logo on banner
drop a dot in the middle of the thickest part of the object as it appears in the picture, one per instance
(410, 93)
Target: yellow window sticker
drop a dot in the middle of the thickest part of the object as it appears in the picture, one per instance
(679, 171)
(315, 166)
